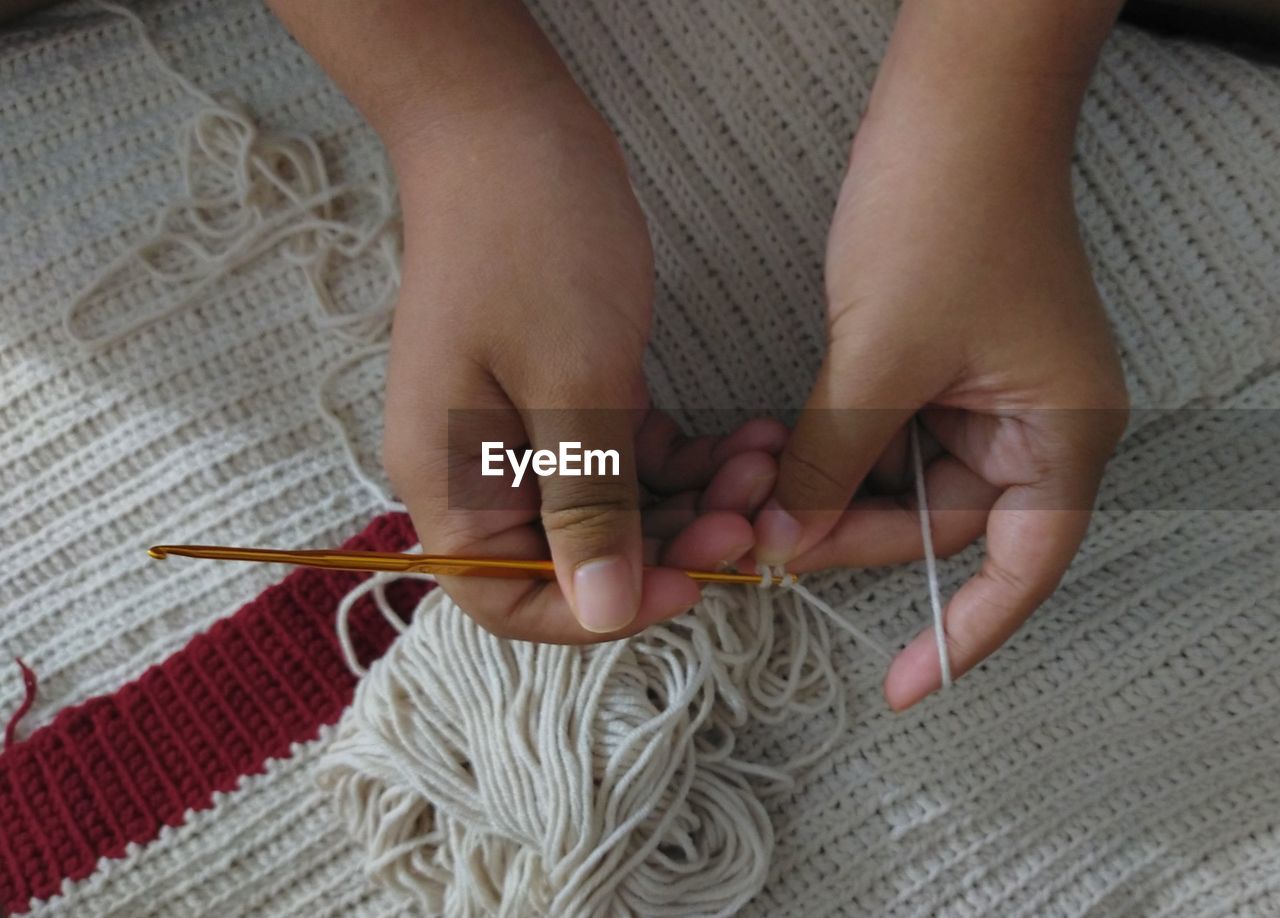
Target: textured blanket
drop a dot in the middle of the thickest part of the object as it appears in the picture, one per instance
(1121, 756)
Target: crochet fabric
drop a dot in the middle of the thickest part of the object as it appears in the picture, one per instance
(1119, 757)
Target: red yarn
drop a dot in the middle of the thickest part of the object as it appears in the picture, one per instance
(29, 684)
(118, 767)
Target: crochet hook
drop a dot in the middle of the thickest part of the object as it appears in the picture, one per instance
(442, 565)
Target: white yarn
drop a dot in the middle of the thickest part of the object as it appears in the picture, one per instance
(792, 583)
(487, 776)
(930, 557)
(491, 776)
(340, 430)
(247, 193)
(375, 585)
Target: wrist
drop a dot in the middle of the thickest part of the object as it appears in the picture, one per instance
(420, 70)
(991, 79)
(538, 132)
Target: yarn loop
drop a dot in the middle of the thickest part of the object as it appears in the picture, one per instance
(490, 776)
(246, 192)
(498, 777)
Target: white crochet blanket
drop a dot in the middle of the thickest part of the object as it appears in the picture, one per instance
(1121, 756)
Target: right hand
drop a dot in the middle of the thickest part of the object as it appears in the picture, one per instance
(527, 286)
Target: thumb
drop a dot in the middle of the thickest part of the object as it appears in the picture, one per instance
(590, 511)
(851, 415)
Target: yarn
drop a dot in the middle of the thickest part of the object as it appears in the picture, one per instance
(343, 434)
(29, 686)
(246, 193)
(930, 557)
(486, 776)
(490, 776)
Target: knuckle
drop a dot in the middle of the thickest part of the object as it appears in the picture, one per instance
(594, 516)
(1020, 593)
(963, 653)
(810, 483)
(1010, 582)
(589, 371)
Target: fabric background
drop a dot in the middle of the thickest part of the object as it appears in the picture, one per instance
(1118, 757)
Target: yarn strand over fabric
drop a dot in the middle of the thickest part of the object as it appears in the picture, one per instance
(246, 193)
(490, 776)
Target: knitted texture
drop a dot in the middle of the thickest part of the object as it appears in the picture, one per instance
(1118, 757)
(109, 773)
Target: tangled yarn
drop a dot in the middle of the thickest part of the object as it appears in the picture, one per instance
(247, 192)
(486, 776)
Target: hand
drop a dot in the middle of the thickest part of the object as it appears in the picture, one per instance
(958, 288)
(525, 302)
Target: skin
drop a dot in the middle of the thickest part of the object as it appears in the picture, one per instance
(527, 290)
(957, 287)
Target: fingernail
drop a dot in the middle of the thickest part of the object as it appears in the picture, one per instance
(777, 534)
(735, 555)
(605, 595)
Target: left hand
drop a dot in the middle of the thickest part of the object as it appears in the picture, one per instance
(958, 288)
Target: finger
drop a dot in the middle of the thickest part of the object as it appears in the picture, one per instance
(432, 456)
(892, 471)
(667, 518)
(1030, 543)
(710, 542)
(537, 610)
(881, 530)
(739, 486)
(491, 600)
(543, 614)
(841, 431)
(764, 435)
(742, 484)
(668, 462)
(592, 521)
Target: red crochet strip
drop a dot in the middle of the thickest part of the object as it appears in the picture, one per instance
(115, 769)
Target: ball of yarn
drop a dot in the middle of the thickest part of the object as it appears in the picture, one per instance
(486, 776)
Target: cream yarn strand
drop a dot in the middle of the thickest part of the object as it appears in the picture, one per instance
(246, 193)
(930, 557)
(486, 776)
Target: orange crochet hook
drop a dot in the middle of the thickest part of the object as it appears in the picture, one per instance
(442, 565)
